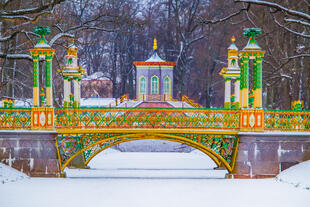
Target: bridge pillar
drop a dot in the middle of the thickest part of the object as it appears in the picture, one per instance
(33, 153)
(72, 72)
(262, 155)
(232, 72)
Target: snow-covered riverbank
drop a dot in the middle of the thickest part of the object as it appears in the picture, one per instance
(150, 179)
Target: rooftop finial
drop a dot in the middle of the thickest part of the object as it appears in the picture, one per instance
(233, 39)
(155, 44)
(42, 31)
(252, 32)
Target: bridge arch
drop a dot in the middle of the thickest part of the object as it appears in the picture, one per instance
(113, 140)
(217, 162)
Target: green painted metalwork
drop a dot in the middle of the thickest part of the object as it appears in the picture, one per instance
(146, 118)
(35, 70)
(252, 33)
(16, 118)
(92, 143)
(49, 71)
(101, 118)
(244, 82)
(286, 120)
(42, 30)
(258, 72)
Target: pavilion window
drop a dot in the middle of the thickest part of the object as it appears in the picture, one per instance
(154, 85)
(142, 85)
(166, 85)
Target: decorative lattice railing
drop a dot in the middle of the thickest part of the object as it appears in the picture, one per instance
(15, 118)
(88, 118)
(286, 120)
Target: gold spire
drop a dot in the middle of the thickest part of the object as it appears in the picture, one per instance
(155, 44)
(233, 39)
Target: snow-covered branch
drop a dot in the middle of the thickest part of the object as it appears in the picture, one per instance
(298, 21)
(23, 17)
(214, 21)
(278, 7)
(297, 56)
(290, 30)
(60, 35)
(8, 37)
(43, 7)
(196, 39)
(16, 56)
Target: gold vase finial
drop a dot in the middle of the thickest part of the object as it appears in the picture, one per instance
(233, 39)
(155, 44)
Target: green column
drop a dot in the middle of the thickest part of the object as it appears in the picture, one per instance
(254, 75)
(35, 85)
(49, 92)
(258, 83)
(244, 81)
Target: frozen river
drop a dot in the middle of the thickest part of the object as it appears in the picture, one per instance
(150, 179)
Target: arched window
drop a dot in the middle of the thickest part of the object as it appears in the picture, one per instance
(154, 85)
(166, 88)
(142, 85)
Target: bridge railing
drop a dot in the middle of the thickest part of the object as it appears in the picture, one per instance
(286, 120)
(15, 118)
(89, 118)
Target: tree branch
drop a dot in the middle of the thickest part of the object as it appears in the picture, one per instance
(39, 9)
(277, 6)
(288, 29)
(6, 38)
(60, 35)
(214, 21)
(297, 21)
(16, 56)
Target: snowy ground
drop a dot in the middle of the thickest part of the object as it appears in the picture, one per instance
(298, 175)
(8, 174)
(151, 179)
(153, 145)
(139, 165)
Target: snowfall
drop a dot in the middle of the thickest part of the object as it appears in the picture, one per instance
(154, 179)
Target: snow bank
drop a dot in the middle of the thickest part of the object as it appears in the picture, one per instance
(97, 101)
(109, 151)
(148, 165)
(196, 151)
(96, 76)
(152, 145)
(8, 174)
(298, 175)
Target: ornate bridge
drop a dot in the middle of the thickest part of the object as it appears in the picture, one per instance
(246, 139)
(88, 131)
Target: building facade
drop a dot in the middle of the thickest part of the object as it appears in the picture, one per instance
(154, 78)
